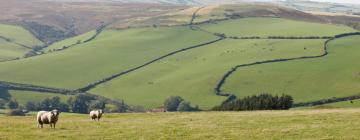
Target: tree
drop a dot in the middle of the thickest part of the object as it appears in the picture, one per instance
(172, 103)
(4, 93)
(30, 106)
(2, 103)
(120, 107)
(184, 106)
(80, 103)
(97, 105)
(13, 104)
(44, 104)
(258, 102)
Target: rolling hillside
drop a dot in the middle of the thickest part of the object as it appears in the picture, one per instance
(145, 65)
(15, 42)
(332, 76)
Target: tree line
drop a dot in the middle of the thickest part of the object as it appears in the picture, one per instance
(257, 102)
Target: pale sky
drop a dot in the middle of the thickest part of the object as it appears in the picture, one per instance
(340, 1)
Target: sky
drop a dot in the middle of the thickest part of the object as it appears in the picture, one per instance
(340, 1)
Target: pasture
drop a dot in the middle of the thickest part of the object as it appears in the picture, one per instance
(12, 42)
(335, 75)
(294, 124)
(264, 27)
(194, 74)
(112, 52)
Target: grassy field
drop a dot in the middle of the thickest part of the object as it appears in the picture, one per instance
(194, 74)
(112, 52)
(22, 97)
(11, 50)
(288, 125)
(68, 42)
(10, 38)
(19, 35)
(335, 75)
(264, 27)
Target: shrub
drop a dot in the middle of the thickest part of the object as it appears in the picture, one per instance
(16, 112)
(184, 106)
(172, 103)
(13, 104)
(30, 106)
(257, 102)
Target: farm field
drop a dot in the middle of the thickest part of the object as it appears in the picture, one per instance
(112, 52)
(194, 74)
(68, 42)
(12, 42)
(22, 97)
(335, 75)
(294, 124)
(182, 74)
(11, 50)
(264, 27)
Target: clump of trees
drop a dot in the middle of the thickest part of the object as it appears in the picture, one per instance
(81, 103)
(257, 102)
(176, 103)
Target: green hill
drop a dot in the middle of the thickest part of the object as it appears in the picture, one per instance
(112, 52)
(192, 74)
(335, 75)
(15, 42)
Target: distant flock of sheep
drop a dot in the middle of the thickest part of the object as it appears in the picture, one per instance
(51, 117)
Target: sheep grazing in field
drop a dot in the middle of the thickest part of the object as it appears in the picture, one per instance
(96, 114)
(47, 117)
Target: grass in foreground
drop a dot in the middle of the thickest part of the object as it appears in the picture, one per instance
(295, 124)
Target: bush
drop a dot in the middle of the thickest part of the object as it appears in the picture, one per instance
(172, 103)
(258, 102)
(184, 106)
(30, 106)
(13, 104)
(2, 103)
(16, 112)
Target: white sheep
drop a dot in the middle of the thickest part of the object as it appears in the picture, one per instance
(47, 117)
(96, 114)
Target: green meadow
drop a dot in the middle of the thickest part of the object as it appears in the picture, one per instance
(11, 39)
(19, 35)
(194, 74)
(112, 52)
(70, 41)
(264, 27)
(22, 97)
(287, 125)
(335, 75)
